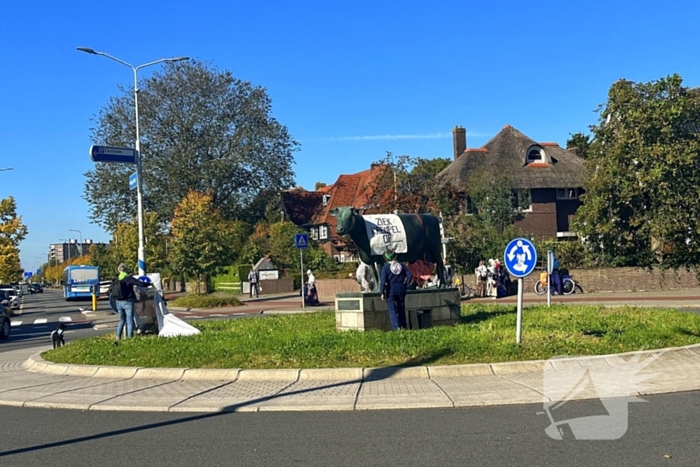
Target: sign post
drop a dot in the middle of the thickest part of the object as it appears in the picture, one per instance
(133, 181)
(112, 154)
(520, 258)
(301, 241)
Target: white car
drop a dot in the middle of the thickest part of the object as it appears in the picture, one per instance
(11, 296)
(104, 288)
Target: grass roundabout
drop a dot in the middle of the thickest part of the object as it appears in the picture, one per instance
(485, 334)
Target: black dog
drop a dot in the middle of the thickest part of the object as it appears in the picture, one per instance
(57, 336)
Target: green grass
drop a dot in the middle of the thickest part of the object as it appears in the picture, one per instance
(205, 301)
(485, 335)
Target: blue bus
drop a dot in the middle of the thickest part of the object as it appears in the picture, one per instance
(78, 282)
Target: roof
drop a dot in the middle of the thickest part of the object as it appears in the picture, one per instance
(306, 208)
(506, 153)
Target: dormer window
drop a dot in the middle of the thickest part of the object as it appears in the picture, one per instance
(535, 154)
(326, 198)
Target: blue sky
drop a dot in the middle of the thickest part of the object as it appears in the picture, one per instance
(351, 80)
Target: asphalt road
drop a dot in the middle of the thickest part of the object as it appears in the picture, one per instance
(40, 314)
(661, 432)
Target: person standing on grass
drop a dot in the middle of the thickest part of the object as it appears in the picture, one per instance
(124, 296)
(253, 279)
(393, 285)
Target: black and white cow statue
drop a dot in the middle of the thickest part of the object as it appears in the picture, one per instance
(412, 237)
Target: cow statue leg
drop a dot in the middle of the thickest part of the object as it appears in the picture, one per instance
(440, 269)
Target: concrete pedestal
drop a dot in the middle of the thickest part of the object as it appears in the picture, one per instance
(363, 311)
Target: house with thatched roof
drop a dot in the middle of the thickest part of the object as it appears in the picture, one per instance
(547, 175)
(311, 209)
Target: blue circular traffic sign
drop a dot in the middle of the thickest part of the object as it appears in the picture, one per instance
(520, 257)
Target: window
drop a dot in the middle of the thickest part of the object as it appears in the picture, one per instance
(323, 232)
(326, 198)
(522, 200)
(567, 193)
(314, 233)
(535, 154)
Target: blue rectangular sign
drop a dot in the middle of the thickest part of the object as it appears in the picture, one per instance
(301, 240)
(112, 154)
(38, 271)
(28, 274)
(133, 180)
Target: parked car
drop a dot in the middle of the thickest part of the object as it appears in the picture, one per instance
(35, 287)
(5, 323)
(104, 288)
(10, 296)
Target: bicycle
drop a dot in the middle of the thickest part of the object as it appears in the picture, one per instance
(567, 284)
(465, 291)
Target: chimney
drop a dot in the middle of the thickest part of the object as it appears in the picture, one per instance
(459, 140)
(575, 151)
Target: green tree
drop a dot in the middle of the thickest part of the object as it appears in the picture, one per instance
(202, 238)
(202, 129)
(581, 142)
(407, 184)
(12, 232)
(640, 205)
(125, 243)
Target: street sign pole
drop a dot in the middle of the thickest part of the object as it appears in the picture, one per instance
(301, 241)
(303, 298)
(519, 320)
(520, 259)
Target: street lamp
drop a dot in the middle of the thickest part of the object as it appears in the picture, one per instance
(80, 248)
(139, 181)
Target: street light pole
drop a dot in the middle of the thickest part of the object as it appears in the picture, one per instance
(139, 164)
(80, 248)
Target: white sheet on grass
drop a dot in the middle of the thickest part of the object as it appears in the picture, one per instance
(169, 324)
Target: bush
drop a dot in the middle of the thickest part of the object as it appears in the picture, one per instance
(205, 301)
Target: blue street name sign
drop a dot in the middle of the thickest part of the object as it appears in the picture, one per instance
(28, 274)
(520, 257)
(132, 181)
(112, 154)
(301, 240)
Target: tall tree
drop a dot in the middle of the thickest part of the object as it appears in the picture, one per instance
(125, 242)
(202, 238)
(201, 129)
(581, 142)
(407, 184)
(640, 206)
(12, 232)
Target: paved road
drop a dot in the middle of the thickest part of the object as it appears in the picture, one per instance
(40, 314)
(495, 436)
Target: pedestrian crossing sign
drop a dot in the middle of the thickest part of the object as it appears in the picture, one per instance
(301, 240)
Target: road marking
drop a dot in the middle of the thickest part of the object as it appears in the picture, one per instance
(41, 321)
(16, 323)
(64, 319)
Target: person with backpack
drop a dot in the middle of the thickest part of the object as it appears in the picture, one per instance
(122, 291)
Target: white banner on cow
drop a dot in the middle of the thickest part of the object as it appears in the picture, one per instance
(385, 232)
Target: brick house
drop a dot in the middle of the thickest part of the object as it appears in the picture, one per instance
(547, 175)
(311, 209)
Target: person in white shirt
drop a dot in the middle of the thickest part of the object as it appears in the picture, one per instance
(481, 275)
(311, 294)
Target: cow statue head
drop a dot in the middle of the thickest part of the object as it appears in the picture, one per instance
(345, 216)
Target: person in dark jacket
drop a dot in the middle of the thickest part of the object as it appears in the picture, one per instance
(125, 302)
(393, 284)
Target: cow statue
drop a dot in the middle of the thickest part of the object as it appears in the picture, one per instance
(411, 236)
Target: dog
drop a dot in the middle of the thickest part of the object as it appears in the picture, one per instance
(57, 336)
